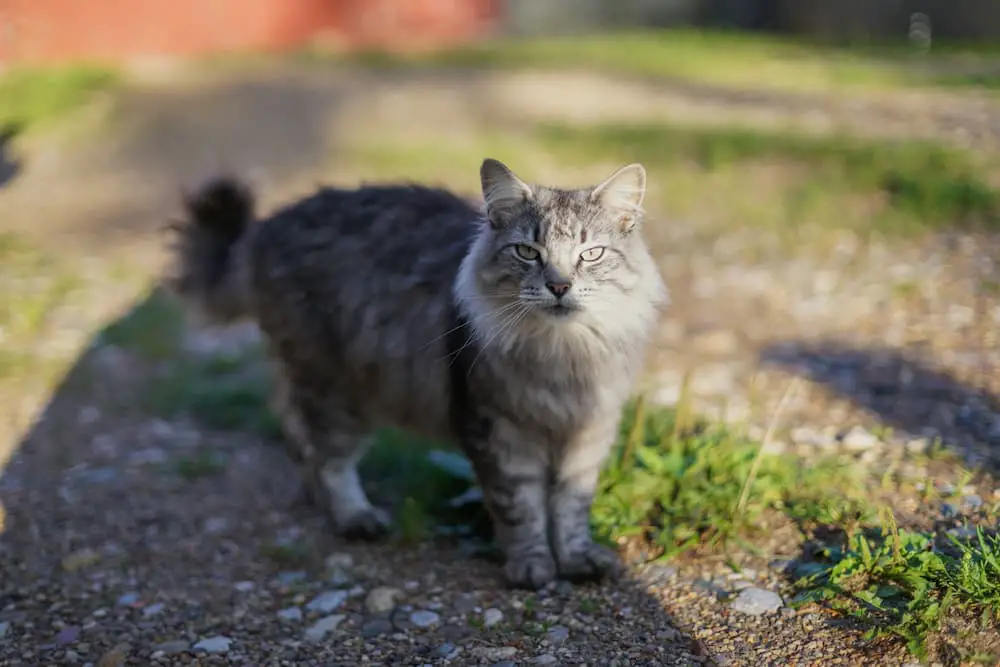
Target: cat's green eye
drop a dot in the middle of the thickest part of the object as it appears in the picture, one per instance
(592, 254)
(526, 252)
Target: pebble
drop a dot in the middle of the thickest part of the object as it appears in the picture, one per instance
(218, 644)
(448, 651)
(859, 440)
(383, 599)
(172, 647)
(67, 635)
(128, 599)
(557, 635)
(4, 628)
(289, 578)
(80, 559)
(495, 652)
(375, 627)
(545, 659)
(757, 601)
(424, 619)
(290, 614)
(491, 617)
(323, 626)
(326, 602)
(244, 586)
(972, 501)
(153, 609)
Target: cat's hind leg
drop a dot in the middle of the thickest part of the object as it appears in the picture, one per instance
(330, 444)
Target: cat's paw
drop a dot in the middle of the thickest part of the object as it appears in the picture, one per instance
(532, 572)
(589, 562)
(369, 524)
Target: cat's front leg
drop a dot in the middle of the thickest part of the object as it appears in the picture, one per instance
(571, 495)
(514, 478)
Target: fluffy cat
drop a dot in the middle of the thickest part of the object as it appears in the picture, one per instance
(516, 331)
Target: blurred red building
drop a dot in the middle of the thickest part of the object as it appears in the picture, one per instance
(119, 30)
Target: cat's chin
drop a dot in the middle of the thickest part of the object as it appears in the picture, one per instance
(560, 311)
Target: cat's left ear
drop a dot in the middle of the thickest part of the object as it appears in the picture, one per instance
(622, 193)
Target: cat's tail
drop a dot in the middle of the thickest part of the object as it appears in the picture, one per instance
(210, 271)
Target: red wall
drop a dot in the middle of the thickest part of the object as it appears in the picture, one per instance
(116, 30)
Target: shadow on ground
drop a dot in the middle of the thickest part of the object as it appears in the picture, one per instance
(148, 507)
(904, 391)
(9, 165)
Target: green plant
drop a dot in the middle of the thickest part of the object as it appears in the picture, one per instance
(903, 583)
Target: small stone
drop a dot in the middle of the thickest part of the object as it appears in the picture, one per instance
(152, 610)
(447, 651)
(324, 603)
(244, 586)
(972, 501)
(289, 578)
(128, 599)
(116, 657)
(172, 647)
(859, 440)
(339, 561)
(376, 627)
(757, 601)
(495, 652)
(216, 524)
(4, 628)
(545, 659)
(67, 635)
(557, 635)
(216, 645)
(716, 342)
(290, 614)
(323, 627)
(424, 619)
(504, 663)
(383, 599)
(491, 617)
(79, 560)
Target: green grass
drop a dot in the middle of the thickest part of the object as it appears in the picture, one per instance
(909, 185)
(909, 585)
(680, 486)
(153, 328)
(32, 96)
(204, 463)
(741, 60)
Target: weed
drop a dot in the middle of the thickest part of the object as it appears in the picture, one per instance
(286, 555)
(204, 463)
(903, 583)
(681, 489)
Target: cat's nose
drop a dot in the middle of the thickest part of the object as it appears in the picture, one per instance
(559, 289)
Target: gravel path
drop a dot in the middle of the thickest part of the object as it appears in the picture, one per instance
(117, 549)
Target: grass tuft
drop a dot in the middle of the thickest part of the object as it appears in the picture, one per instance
(31, 96)
(687, 489)
(906, 584)
(922, 185)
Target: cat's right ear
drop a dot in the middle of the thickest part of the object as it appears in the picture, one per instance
(503, 192)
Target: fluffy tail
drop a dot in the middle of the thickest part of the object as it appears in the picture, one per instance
(210, 272)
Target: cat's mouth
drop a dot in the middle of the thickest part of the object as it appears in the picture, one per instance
(561, 309)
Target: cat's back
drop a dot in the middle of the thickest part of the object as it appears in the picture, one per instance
(399, 229)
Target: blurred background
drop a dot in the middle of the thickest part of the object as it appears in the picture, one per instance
(824, 202)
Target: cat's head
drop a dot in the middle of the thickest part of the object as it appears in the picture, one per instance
(564, 254)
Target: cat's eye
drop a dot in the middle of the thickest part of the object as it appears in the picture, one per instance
(592, 254)
(526, 252)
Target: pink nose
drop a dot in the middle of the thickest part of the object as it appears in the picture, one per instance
(558, 289)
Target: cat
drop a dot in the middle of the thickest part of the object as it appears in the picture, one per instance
(515, 329)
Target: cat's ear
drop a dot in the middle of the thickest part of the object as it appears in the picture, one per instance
(502, 190)
(622, 193)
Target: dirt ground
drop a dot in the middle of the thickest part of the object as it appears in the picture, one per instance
(108, 560)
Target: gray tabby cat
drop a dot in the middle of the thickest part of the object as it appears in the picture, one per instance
(517, 334)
